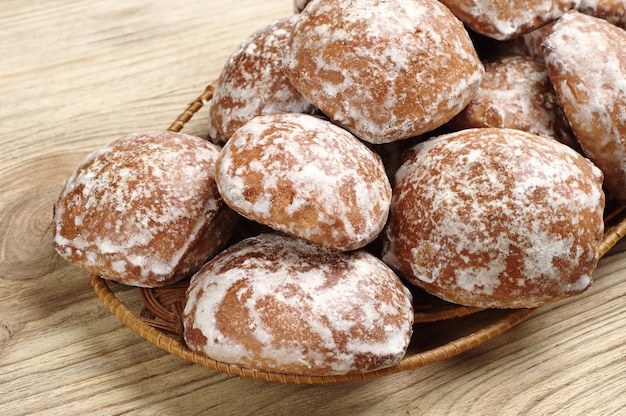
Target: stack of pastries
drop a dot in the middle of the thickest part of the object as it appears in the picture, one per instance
(357, 152)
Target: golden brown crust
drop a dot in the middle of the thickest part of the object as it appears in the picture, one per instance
(142, 210)
(278, 303)
(586, 60)
(385, 71)
(496, 218)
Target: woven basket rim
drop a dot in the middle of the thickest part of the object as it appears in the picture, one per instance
(410, 362)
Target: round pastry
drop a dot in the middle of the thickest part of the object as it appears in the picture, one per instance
(143, 210)
(586, 61)
(306, 177)
(613, 11)
(253, 83)
(504, 20)
(516, 93)
(385, 71)
(280, 304)
(496, 218)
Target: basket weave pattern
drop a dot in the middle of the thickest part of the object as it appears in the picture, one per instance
(160, 319)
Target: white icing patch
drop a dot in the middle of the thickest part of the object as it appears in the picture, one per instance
(580, 285)
(481, 280)
(118, 267)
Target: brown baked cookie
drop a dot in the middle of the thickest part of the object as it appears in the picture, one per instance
(504, 19)
(516, 93)
(496, 218)
(613, 11)
(306, 177)
(253, 83)
(586, 60)
(280, 304)
(143, 210)
(385, 71)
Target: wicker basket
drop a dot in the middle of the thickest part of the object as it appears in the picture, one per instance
(447, 330)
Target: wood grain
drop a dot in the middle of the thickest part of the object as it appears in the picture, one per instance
(75, 75)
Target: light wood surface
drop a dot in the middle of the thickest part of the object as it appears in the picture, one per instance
(75, 75)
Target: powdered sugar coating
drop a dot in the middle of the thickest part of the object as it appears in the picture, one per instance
(135, 210)
(306, 177)
(385, 71)
(504, 19)
(613, 11)
(516, 93)
(586, 60)
(253, 83)
(496, 218)
(278, 303)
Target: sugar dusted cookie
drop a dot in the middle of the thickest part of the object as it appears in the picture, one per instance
(143, 210)
(306, 177)
(516, 93)
(586, 60)
(277, 303)
(387, 70)
(253, 83)
(496, 218)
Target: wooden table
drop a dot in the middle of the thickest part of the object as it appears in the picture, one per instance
(76, 75)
